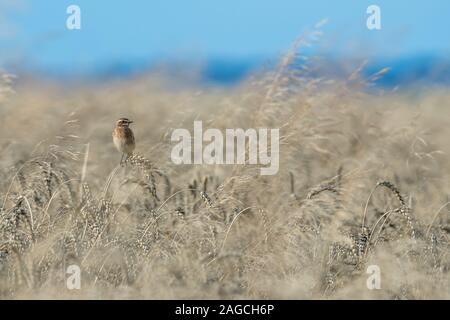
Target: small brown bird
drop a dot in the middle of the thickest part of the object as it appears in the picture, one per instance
(123, 138)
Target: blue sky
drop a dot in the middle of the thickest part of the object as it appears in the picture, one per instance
(33, 32)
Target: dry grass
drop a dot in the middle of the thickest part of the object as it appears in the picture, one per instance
(363, 180)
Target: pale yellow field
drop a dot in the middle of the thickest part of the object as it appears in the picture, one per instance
(143, 232)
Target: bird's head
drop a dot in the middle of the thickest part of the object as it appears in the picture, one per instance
(123, 122)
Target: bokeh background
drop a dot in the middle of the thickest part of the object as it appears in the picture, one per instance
(221, 42)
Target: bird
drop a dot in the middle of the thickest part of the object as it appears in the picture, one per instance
(123, 138)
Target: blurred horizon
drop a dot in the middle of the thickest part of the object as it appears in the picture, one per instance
(223, 42)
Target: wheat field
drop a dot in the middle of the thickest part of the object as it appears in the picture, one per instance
(363, 180)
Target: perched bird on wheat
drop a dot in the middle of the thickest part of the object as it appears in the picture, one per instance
(123, 138)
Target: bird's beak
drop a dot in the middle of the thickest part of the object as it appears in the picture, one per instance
(130, 121)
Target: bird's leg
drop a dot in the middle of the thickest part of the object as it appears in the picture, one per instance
(128, 157)
(121, 160)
